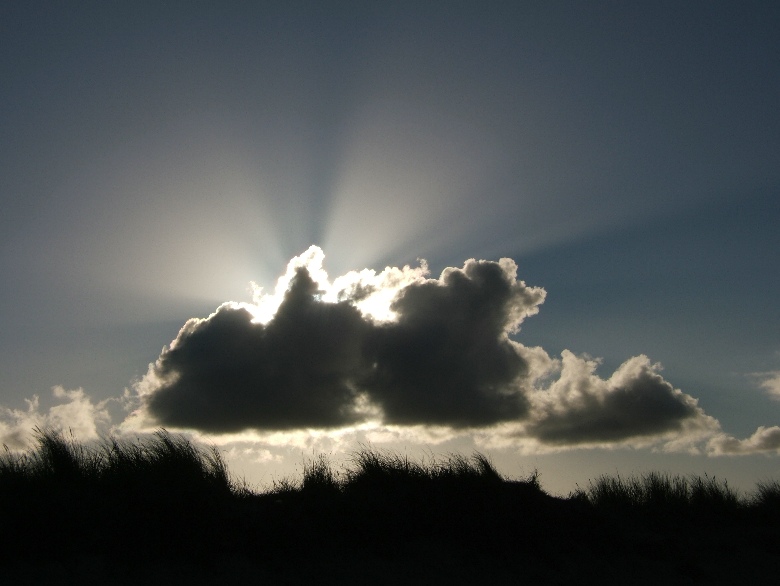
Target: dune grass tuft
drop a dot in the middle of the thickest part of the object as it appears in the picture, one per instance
(162, 462)
(371, 467)
(659, 491)
(767, 495)
(319, 477)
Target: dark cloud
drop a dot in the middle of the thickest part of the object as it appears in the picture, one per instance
(442, 356)
(227, 373)
(446, 360)
(636, 401)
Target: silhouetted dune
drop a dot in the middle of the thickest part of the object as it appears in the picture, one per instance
(163, 511)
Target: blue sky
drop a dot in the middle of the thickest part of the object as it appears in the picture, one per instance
(156, 159)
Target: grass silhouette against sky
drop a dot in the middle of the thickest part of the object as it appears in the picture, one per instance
(164, 510)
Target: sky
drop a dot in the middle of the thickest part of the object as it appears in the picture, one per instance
(546, 231)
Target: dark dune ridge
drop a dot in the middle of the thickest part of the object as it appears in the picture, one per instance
(164, 511)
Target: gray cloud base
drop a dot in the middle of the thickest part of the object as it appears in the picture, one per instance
(636, 401)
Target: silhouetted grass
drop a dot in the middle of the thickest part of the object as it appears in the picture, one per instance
(319, 477)
(384, 470)
(656, 491)
(153, 501)
(164, 461)
(767, 496)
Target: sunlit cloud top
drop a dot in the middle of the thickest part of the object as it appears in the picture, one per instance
(370, 292)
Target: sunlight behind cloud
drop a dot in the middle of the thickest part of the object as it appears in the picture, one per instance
(370, 292)
(393, 202)
(191, 218)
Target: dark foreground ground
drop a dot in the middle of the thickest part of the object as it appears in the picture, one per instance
(166, 513)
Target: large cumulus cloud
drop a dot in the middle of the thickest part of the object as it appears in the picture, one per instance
(448, 360)
(228, 373)
(400, 348)
(444, 358)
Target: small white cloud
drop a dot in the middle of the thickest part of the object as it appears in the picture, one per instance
(252, 453)
(765, 440)
(74, 413)
(770, 382)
